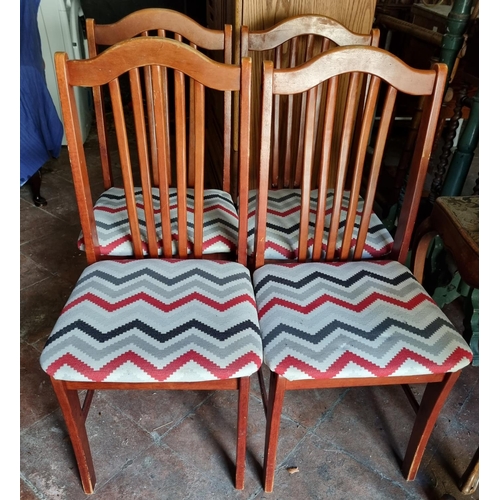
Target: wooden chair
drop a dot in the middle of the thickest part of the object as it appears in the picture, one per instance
(154, 323)
(112, 227)
(333, 320)
(290, 43)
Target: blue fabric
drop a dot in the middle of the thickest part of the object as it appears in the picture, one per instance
(41, 128)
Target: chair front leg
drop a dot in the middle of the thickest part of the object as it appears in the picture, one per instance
(241, 443)
(434, 397)
(277, 387)
(75, 417)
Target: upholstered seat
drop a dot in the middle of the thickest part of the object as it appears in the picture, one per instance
(283, 222)
(157, 320)
(220, 222)
(353, 320)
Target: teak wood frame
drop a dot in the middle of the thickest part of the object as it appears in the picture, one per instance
(326, 68)
(104, 69)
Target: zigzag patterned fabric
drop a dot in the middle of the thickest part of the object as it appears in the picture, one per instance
(283, 222)
(351, 320)
(220, 222)
(156, 320)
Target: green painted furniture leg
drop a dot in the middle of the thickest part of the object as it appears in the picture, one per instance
(444, 295)
(453, 39)
(471, 323)
(463, 155)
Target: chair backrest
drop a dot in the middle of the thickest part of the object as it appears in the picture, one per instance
(288, 44)
(386, 73)
(171, 24)
(162, 56)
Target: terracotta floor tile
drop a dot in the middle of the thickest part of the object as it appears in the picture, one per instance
(37, 396)
(31, 272)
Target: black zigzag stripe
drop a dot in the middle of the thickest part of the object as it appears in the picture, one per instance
(373, 334)
(199, 327)
(117, 281)
(344, 283)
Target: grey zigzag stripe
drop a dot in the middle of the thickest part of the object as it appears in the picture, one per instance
(220, 275)
(95, 353)
(210, 290)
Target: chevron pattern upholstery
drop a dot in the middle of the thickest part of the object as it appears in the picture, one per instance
(220, 225)
(155, 320)
(283, 220)
(352, 319)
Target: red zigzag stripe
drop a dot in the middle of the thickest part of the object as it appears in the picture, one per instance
(159, 374)
(324, 299)
(378, 371)
(195, 296)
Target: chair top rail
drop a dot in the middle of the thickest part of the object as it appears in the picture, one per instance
(308, 24)
(341, 60)
(158, 18)
(147, 51)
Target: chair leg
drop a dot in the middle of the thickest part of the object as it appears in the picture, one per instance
(434, 397)
(241, 443)
(74, 417)
(277, 387)
(263, 392)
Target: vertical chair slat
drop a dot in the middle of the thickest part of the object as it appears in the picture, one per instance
(357, 167)
(324, 167)
(244, 156)
(126, 167)
(265, 148)
(385, 122)
(192, 136)
(144, 167)
(100, 116)
(307, 164)
(302, 114)
(180, 154)
(325, 45)
(229, 170)
(276, 129)
(160, 105)
(199, 160)
(151, 119)
(345, 143)
(289, 119)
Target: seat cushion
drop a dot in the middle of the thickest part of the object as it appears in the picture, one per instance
(157, 320)
(220, 222)
(351, 320)
(283, 222)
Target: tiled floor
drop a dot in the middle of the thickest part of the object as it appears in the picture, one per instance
(176, 445)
